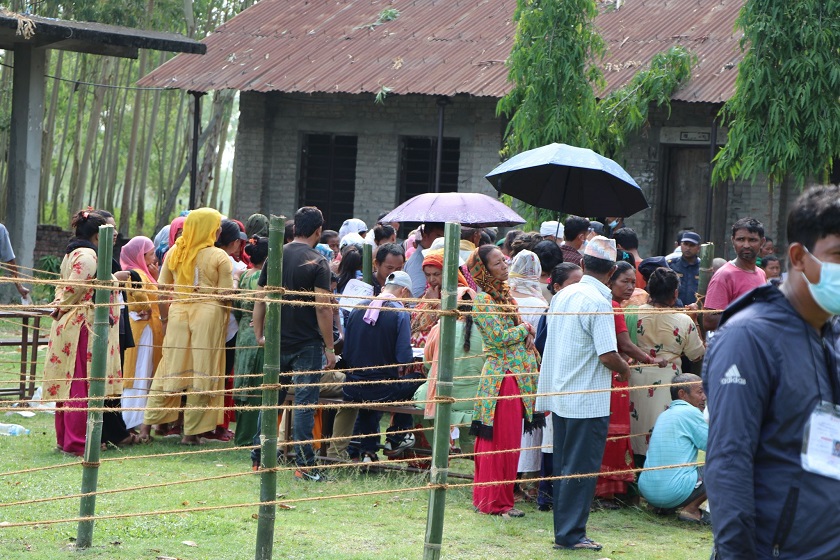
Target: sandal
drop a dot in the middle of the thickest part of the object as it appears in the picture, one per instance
(705, 518)
(512, 512)
(145, 439)
(584, 544)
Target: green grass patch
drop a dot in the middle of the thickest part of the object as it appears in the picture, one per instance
(361, 527)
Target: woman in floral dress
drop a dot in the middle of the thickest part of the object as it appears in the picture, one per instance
(498, 423)
(662, 335)
(68, 354)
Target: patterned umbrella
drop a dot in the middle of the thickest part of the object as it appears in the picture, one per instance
(570, 180)
(469, 209)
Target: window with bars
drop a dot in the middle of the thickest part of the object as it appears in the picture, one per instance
(418, 157)
(328, 175)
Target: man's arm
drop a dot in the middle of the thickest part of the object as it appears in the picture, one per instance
(13, 270)
(614, 362)
(325, 322)
(711, 321)
(738, 377)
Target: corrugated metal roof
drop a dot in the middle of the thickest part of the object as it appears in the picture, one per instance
(441, 47)
(437, 47)
(642, 28)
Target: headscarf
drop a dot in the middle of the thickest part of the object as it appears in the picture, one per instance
(133, 255)
(525, 272)
(257, 224)
(352, 239)
(492, 286)
(176, 226)
(200, 229)
(435, 259)
(352, 225)
(162, 242)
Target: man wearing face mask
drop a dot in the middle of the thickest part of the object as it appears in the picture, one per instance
(771, 489)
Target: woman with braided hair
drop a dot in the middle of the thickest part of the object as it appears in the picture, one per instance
(511, 369)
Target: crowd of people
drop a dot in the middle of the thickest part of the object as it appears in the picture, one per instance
(574, 354)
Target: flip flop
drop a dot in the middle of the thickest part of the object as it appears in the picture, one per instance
(705, 518)
(584, 544)
(512, 512)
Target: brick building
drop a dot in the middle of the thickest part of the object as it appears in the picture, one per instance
(310, 131)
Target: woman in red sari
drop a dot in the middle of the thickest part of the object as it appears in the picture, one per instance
(618, 453)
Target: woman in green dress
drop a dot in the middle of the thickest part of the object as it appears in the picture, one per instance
(248, 364)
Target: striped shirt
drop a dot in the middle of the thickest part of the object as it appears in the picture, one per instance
(573, 345)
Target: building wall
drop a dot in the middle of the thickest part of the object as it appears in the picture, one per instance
(271, 128)
(645, 156)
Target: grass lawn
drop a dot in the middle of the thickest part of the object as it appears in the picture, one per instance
(383, 526)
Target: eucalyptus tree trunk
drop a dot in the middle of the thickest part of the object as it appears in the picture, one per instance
(62, 163)
(48, 141)
(79, 194)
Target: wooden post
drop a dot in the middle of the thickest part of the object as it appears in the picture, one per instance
(443, 410)
(707, 255)
(367, 263)
(271, 373)
(96, 388)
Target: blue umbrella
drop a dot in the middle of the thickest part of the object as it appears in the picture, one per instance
(570, 180)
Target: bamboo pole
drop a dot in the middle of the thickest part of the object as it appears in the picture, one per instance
(367, 264)
(443, 410)
(271, 373)
(707, 255)
(96, 388)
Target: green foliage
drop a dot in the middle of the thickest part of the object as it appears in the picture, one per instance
(784, 119)
(48, 267)
(625, 110)
(553, 69)
(386, 15)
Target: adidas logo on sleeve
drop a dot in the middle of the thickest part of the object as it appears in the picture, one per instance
(733, 376)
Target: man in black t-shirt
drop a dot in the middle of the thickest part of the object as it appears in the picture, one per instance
(305, 330)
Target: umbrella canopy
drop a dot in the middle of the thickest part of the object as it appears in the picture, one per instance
(469, 209)
(570, 180)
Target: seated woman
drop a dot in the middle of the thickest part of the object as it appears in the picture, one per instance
(469, 361)
(660, 334)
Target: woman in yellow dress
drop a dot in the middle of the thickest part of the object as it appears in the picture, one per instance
(69, 354)
(138, 258)
(193, 360)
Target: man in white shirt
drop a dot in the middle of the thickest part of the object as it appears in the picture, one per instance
(580, 354)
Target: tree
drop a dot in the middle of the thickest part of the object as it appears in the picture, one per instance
(784, 118)
(555, 72)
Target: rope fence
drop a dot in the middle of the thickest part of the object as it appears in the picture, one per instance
(232, 300)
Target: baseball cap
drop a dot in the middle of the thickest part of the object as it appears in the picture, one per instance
(691, 237)
(399, 278)
(648, 265)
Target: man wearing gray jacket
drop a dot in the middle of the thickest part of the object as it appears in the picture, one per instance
(771, 478)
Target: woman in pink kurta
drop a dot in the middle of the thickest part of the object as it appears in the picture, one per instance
(69, 354)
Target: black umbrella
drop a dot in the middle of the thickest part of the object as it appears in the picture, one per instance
(570, 180)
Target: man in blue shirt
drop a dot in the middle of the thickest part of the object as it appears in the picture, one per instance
(374, 338)
(687, 266)
(678, 434)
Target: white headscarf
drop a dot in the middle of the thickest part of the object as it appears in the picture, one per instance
(525, 272)
(352, 225)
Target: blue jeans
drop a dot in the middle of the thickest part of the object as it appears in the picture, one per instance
(307, 358)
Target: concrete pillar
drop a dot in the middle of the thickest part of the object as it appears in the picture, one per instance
(25, 151)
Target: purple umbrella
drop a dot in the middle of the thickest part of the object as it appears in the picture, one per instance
(468, 209)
